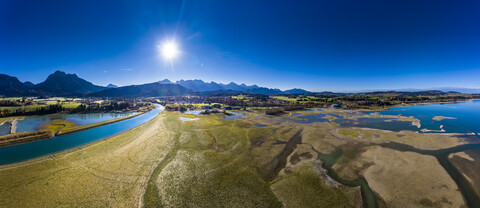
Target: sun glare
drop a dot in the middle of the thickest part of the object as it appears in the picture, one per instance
(169, 50)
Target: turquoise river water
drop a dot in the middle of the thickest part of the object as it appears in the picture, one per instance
(32, 150)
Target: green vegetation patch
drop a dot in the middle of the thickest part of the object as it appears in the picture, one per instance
(349, 132)
(57, 125)
(307, 188)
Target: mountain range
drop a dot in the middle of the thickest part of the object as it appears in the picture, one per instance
(197, 85)
(57, 84)
(62, 84)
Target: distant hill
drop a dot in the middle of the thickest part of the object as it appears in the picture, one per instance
(12, 87)
(461, 90)
(443, 89)
(29, 84)
(145, 90)
(296, 91)
(112, 86)
(61, 83)
(398, 93)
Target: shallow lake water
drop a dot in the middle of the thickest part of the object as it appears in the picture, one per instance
(194, 112)
(234, 115)
(5, 128)
(188, 119)
(378, 123)
(32, 123)
(467, 116)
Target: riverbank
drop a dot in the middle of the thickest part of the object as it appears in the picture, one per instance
(72, 129)
(25, 137)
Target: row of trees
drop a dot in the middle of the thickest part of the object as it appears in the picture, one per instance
(97, 107)
(57, 108)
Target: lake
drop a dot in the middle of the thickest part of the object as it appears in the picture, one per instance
(467, 116)
(32, 123)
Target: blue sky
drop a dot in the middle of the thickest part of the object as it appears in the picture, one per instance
(316, 45)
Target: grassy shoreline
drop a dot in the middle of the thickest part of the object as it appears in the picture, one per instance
(24, 137)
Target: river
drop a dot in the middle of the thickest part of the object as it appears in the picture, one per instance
(22, 152)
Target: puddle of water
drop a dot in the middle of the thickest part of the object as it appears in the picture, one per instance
(194, 112)
(378, 123)
(188, 119)
(235, 115)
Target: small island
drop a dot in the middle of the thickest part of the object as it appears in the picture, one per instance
(439, 118)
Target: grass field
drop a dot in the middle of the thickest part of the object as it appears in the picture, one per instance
(36, 106)
(349, 132)
(201, 105)
(240, 97)
(301, 99)
(68, 103)
(285, 98)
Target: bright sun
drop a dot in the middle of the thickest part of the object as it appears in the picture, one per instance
(169, 50)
